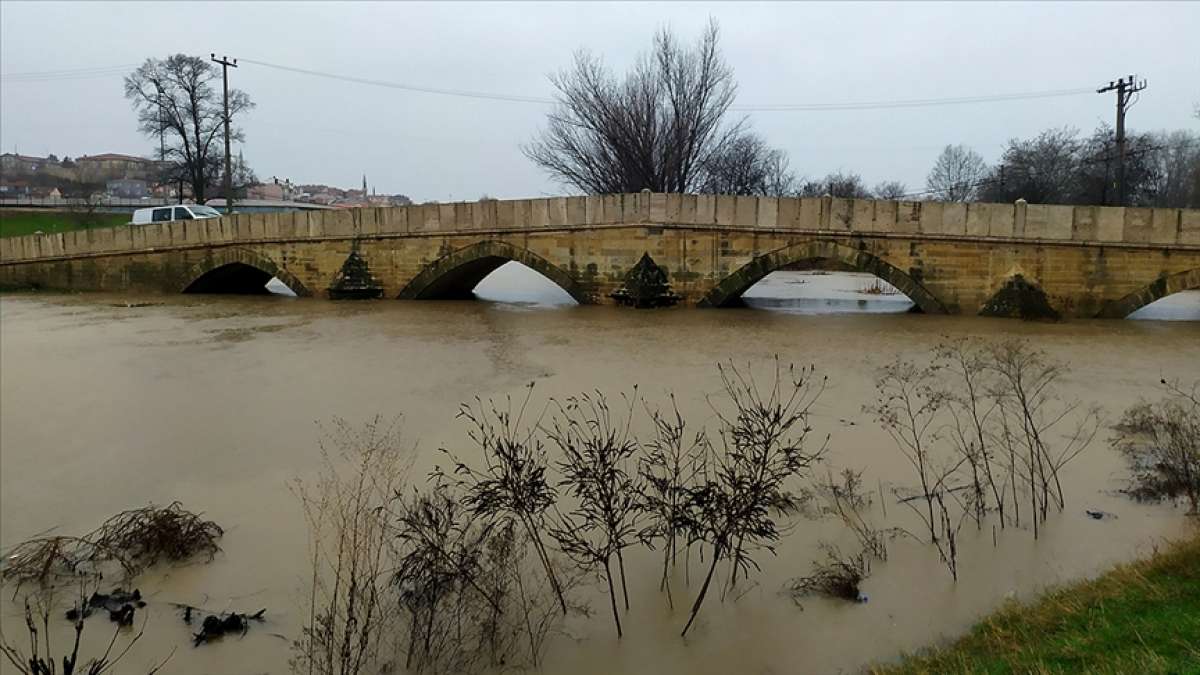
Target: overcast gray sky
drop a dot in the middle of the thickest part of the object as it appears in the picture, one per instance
(440, 147)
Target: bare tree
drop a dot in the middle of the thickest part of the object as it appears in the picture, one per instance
(840, 184)
(956, 174)
(746, 165)
(1041, 170)
(1146, 163)
(657, 129)
(1175, 175)
(178, 97)
(890, 189)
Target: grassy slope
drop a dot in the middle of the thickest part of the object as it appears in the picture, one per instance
(15, 223)
(1139, 618)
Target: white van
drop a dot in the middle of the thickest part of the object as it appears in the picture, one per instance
(162, 214)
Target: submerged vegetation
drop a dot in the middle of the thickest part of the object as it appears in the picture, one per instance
(476, 566)
(131, 540)
(1161, 442)
(985, 430)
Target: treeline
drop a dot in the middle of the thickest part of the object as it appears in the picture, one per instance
(666, 127)
(1058, 166)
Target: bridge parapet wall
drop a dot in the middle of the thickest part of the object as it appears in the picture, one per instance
(913, 219)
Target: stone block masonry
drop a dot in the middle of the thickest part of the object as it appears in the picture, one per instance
(949, 258)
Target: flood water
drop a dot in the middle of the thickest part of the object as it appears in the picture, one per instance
(216, 402)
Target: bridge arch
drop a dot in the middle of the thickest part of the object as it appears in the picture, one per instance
(237, 270)
(455, 275)
(731, 287)
(1159, 288)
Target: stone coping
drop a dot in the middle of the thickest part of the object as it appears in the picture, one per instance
(1134, 227)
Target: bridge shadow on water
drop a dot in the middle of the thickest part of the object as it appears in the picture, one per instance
(238, 279)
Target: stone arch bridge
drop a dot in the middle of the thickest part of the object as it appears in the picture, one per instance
(1084, 261)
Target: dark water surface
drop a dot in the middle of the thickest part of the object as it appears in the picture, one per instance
(215, 401)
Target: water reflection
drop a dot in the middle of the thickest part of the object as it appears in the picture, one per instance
(516, 285)
(821, 292)
(1182, 306)
(277, 287)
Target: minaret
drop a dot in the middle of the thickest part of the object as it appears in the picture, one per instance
(364, 186)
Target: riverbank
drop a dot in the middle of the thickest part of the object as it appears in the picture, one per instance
(1143, 617)
(17, 222)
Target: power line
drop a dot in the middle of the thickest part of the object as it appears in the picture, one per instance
(70, 74)
(912, 103)
(107, 71)
(813, 107)
(407, 87)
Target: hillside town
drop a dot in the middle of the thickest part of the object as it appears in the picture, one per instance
(116, 176)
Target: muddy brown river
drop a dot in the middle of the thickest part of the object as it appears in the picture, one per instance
(216, 401)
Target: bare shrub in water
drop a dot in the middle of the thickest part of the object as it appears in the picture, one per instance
(838, 576)
(1042, 432)
(351, 602)
(598, 453)
(1161, 442)
(910, 403)
(669, 467)
(464, 582)
(845, 498)
(968, 383)
(1011, 434)
(438, 567)
(907, 408)
(733, 507)
(512, 482)
(45, 560)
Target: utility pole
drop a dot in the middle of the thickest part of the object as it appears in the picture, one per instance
(1125, 90)
(226, 63)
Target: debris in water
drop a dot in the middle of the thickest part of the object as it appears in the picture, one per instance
(1100, 515)
(121, 605)
(218, 625)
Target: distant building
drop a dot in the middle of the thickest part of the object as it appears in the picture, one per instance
(12, 163)
(111, 165)
(263, 205)
(127, 188)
